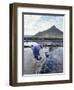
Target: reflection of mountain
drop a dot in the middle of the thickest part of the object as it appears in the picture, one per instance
(52, 32)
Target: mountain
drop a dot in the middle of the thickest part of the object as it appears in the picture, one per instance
(52, 32)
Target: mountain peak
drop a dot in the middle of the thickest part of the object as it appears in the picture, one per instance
(51, 32)
(53, 26)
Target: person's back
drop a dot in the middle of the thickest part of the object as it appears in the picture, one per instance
(53, 62)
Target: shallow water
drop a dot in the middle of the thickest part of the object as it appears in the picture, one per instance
(32, 66)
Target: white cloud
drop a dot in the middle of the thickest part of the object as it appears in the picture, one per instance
(36, 23)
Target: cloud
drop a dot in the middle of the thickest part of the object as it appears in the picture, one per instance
(36, 23)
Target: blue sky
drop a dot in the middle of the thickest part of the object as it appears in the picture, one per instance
(37, 23)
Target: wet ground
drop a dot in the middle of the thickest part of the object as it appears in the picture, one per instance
(52, 64)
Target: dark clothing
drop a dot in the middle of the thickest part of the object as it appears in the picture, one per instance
(51, 65)
(36, 53)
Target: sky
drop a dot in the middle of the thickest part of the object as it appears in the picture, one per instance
(38, 23)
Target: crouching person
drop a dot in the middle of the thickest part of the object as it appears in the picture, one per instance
(37, 58)
(54, 62)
